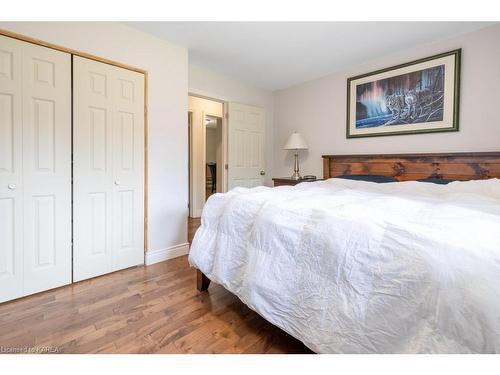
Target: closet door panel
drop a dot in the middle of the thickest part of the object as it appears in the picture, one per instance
(92, 169)
(47, 167)
(128, 146)
(35, 168)
(11, 189)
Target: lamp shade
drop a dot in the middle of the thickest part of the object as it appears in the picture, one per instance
(295, 142)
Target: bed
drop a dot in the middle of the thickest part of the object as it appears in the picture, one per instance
(359, 267)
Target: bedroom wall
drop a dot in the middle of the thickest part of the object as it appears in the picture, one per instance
(206, 82)
(211, 148)
(167, 67)
(317, 109)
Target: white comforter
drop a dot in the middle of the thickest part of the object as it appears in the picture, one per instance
(358, 267)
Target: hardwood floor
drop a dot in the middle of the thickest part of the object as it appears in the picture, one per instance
(154, 309)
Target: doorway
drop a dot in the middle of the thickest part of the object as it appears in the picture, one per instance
(213, 155)
(207, 151)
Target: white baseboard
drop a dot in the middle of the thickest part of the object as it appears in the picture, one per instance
(155, 256)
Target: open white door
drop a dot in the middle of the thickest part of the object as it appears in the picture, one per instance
(245, 146)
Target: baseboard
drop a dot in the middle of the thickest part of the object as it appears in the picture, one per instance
(155, 256)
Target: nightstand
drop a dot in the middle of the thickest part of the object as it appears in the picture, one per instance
(288, 181)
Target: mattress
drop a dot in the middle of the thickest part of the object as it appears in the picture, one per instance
(358, 267)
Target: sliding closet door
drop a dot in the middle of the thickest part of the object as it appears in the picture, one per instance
(11, 173)
(108, 186)
(35, 168)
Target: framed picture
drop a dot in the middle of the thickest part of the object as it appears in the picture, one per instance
(417, 97)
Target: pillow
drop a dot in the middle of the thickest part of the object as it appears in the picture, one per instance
(439, 181)
(366, 177)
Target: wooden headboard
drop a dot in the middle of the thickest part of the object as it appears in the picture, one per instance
(409, 167)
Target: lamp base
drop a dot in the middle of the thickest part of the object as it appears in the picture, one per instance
(296, 175)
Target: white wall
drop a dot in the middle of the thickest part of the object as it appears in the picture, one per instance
(317, 109)
(208, 83)
(211, 145)
(167, 67)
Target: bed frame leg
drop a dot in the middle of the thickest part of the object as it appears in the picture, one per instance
(202, 282)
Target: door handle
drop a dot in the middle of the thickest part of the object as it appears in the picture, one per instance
(12, 186)
(262, 173)
(117, 182)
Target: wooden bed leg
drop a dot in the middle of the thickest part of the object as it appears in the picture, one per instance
(202, 282)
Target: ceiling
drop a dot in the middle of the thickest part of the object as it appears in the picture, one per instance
(276, 55)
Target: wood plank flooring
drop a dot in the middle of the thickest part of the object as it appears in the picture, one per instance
(154, 309)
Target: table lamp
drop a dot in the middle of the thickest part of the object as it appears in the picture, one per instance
(296, 142)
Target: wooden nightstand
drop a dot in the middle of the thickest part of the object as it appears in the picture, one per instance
(287, 181)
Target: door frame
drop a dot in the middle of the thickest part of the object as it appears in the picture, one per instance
(204, 152)
(224, 103)
(86, 55)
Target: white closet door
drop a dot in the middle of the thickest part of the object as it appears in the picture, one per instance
(108, 170)
(128, 168)
(92, 169)
(35, 168)
(11, 174)
(47, 168)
